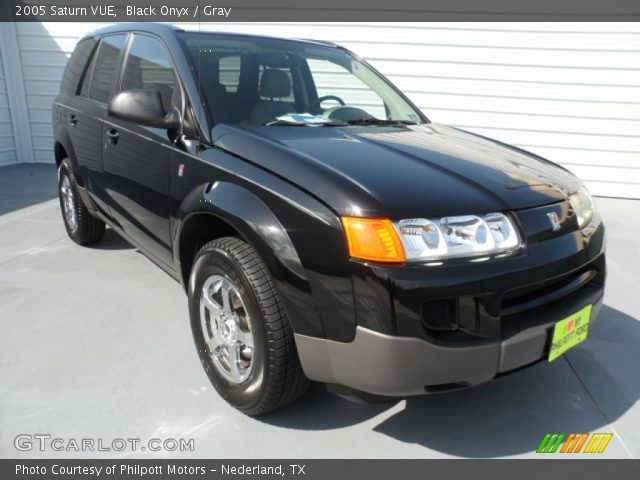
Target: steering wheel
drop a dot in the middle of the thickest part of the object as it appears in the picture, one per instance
(317, 103)
(346, 114)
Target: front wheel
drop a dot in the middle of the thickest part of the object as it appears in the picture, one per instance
(241, 330)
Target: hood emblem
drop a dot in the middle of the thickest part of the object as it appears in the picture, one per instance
(555, 220)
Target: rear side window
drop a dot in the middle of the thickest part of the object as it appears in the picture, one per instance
(97, 85)
(76, 65)
(149, 66)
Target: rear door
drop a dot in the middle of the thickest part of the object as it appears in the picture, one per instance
(86, 111)
(137, 158)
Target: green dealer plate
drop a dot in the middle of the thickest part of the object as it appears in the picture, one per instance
(569, 332)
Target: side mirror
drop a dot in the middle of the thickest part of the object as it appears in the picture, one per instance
(143, 107)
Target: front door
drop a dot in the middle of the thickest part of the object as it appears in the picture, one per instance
(137, 158)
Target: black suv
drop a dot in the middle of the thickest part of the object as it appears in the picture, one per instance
(323, 228)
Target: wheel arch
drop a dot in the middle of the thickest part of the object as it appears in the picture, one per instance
(220, 209)
(224, 208)
(59, 153)
(196, 230)
(63, 148)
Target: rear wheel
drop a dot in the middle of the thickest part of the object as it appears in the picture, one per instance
(82, 227)
(241, 330)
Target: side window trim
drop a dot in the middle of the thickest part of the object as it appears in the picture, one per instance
(88, 74)
(123, 63)
(87, 69)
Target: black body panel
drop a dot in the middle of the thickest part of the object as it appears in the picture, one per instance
(416, 171)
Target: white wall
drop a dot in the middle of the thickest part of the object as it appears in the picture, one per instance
(44, 50)
(7, 146)
(567, 91)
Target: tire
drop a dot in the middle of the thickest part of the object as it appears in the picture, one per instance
(82, 227)
(267, 375)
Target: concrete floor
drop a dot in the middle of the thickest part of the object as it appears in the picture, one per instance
(95, 342)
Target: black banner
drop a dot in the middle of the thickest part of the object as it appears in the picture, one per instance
(319, 469)
(319, 10)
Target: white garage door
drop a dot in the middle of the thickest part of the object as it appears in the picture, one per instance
(7, 147)
(567, 91)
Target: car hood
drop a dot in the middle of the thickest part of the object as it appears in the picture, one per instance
(422, 170)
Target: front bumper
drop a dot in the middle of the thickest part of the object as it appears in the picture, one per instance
(503, 315)
(389, 365)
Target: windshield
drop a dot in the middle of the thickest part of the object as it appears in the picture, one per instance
(263, 81)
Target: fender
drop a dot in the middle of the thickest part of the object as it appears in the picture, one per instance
(62, 137)
(259, 226)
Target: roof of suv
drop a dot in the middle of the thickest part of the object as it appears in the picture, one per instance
(164, 29)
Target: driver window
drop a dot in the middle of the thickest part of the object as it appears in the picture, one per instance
(149, 66)
(332, 79)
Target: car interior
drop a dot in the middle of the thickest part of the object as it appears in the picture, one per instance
(248, 88)
(258, 88)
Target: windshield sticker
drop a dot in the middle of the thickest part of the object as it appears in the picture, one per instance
(304, 119)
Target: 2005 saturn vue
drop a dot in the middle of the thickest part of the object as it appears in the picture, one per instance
(323, 228)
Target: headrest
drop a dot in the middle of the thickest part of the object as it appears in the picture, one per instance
(275, 84)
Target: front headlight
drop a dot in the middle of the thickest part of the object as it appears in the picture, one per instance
(455, 237)
(582, 205)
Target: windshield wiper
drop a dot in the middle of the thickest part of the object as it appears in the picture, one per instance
(377, 121)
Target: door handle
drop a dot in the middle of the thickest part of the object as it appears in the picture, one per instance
(112, 136)
(73, 120)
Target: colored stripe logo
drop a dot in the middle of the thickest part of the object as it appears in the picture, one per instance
(574, 443)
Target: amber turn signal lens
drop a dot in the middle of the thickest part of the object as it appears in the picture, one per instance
(373, 239)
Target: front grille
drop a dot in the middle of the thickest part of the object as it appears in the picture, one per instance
(530, 296)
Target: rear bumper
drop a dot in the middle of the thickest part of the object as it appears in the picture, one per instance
(389, 365)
